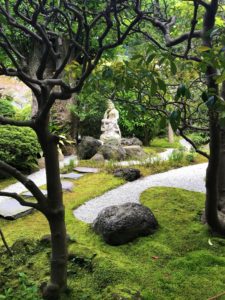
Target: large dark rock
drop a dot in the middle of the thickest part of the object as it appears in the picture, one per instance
(123, 223)
(88, 147)
(129, 174)
(113, 152)
(131, 141)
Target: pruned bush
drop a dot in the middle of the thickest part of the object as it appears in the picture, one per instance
(19, 147)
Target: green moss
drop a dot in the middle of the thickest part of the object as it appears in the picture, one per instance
(164, 143)
(6, 182)
(176, 262)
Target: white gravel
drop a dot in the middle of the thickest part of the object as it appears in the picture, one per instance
(11, 208)
(190, 178)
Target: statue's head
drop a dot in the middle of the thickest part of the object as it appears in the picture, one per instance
(110, 104)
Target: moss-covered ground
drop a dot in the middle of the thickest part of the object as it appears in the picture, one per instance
(181, 261)
(163, 143)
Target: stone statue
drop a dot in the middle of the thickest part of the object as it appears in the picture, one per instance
(110, 128)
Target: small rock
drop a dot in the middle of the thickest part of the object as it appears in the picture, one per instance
(71, 175)
(129, 174)
(121, 224)
(98, 157)
(131, 141)
(86, 170)
(67, 186)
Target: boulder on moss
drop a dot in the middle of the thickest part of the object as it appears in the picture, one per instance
(129, 174)
(112, 152)
(88, 147)
(135, 152)
(131, 141)
(98, 157)
(120, 224)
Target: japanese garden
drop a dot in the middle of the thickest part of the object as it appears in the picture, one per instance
(112, 149)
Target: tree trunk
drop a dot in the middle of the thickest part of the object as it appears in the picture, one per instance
(170, 134)
(212, 174)
(221, 204)
(55, 214)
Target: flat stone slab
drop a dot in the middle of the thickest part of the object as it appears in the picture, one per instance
(12, 210)
(71, 175)
(67, 186)
(86, 170)
(30, 195)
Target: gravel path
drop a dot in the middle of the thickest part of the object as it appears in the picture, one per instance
(9, 207)
(190, 178)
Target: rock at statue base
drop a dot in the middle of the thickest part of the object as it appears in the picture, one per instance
(88, 147)
(131, 142)
(129, 174)
(134, 152)
(121, 224)
(98, 157)
(112, 152)
(110, 138)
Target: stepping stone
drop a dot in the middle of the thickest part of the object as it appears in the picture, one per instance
(86, 170)
(67, 186)
(10, 209)
(71, 175)
(29, 195)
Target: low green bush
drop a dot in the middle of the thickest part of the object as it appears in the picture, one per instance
(19, 147)
(177, 156)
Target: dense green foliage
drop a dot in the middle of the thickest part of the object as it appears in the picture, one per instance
(19, 147)
(6, 108)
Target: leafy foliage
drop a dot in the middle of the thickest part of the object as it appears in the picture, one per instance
(6, 108)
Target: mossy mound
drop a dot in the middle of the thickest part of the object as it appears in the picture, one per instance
(177, 262)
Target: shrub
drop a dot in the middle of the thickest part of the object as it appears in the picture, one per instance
(24, 113)
(6, 108)
(176, 156)
(19, 147)
(199, 139)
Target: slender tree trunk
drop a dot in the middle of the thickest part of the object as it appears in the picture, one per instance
(221, 204)
(170, 134)
(55, 214)
(212, 174)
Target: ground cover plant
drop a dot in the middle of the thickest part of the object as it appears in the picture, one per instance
(172, 264)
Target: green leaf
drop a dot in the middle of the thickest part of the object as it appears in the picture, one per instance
(203, 48)
(107, 73)
(162, 85)
(204, 96)
(211, 101)
(173, 67)
(175, 119)
(150, 58)
(153, 88)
